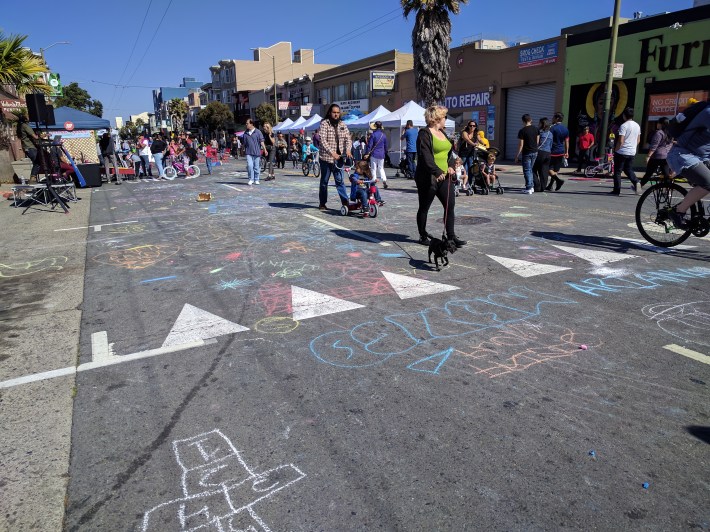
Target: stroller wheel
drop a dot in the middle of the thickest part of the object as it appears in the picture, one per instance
(485, 191)
(499, 190)
(344, 210)
(456, 192)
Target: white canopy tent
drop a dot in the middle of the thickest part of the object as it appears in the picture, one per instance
(312, 123)
(295, 127)
(396, 120)
(364, 122)
(285, 123)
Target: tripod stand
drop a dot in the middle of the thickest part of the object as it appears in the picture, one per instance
(50, 193)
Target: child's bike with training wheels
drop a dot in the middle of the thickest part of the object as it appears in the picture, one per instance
(311, 164)
(653, 218)
(601, 167)
(175, 168)
(369, 209)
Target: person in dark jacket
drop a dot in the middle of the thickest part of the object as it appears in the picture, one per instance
(658, 148)
(377, 151)
(435, 173)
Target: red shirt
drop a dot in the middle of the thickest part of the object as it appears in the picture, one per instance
(586, 140)
(210, 152)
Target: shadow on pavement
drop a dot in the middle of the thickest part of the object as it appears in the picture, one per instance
(385, 237)
(292, 205)
(702, 433)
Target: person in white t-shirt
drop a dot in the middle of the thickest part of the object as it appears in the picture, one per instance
(627, 141)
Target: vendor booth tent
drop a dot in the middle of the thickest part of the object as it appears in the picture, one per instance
(286, 123)
(294, 128)
(409, 111)
(312, 123)
(80, 119)
(364, 122)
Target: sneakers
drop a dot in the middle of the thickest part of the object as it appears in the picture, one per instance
(322, 207)
(677, 218)
(460, 243)
(559, 184)
(639, 187)
(528, 191)
(250, 182)
(614, 192)
(381, 203)
(635, 189)
(384, 185)
(424, 240)
(256, 182)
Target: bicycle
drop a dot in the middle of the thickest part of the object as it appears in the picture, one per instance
(599, 167)
(311, 164)
(175, 167)
(652, 215)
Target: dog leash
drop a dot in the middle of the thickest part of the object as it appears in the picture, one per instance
(446, 208)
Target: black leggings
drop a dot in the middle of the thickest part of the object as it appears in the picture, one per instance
(444, 190)
(652, 166)
(540, 170)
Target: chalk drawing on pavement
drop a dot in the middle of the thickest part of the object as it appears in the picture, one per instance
(19, 269)
(138, 257)
(219, 489)
(689, 321)
(276, 325)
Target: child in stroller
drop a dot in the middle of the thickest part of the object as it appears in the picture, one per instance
(364, 195)
(486, 178)
(461, 182)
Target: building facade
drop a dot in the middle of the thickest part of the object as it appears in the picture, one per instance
(661, 62)
(163, 95)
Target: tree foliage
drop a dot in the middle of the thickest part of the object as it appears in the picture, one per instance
(266, 112)
(215, 116)
(431, 37)
(178, 109)
(20, 68)
(77, 98)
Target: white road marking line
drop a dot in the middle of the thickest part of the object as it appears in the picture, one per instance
(688, 353)
(595, 256)
(525, 268)
(409, 287)
(647, 245)
(326, 222)
(99, 346)
(233, 188)
(96, 227)
(309, 304)
(38, 377)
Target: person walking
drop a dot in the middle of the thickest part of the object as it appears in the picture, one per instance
(627, 141)
(658, 148)
(144, 154)
(376, 151)
(29, 141)
(468, 145)
(269, 142)
(158, 150)
(435, 174)
(409, 136)
(108, 154)
(585, 146)
(253, 142)
(542, 161)
(335, 144)
(528, 141)
(210, 157)
(281, 151)
(294, 151)
(559, 152)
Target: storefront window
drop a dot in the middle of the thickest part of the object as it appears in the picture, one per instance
(360, 89)
(324, 96)
(340, 92)
(667, 104)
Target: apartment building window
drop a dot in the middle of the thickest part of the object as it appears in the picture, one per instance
(360, 89)
(340, 92)
(324, 96)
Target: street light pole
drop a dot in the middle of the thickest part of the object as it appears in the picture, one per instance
(610, 76)
(42, 50)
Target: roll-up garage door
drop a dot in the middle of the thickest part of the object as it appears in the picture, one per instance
(536, 100)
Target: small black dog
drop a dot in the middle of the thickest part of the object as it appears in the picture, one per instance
(441, 249)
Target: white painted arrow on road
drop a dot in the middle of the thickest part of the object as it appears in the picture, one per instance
(595, 256)
(197, 324)
(525, 268)
(309, 304)
(409, 287)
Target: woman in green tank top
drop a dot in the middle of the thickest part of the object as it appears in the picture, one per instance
(434, 174)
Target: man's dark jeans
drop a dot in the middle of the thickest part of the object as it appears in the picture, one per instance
(623, 163)
(412, 162)
(32, 154)
(326, 169)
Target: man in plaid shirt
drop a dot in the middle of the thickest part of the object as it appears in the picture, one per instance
(335, 143)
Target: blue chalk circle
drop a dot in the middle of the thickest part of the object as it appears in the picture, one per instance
(645, 485)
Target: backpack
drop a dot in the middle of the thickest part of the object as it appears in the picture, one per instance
(678, 124)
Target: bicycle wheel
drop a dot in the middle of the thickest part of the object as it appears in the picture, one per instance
(170, 173)
(305, 169)
(193, 170)
(591, 171)
(316, 169)
(652, 215)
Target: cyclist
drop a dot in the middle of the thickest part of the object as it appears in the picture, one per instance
(690, 156)
(309, 150)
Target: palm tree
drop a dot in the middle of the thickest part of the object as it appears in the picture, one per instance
(20, 68)
(431, 37)
(177, 109)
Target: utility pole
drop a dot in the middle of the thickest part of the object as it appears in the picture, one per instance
(610, 76)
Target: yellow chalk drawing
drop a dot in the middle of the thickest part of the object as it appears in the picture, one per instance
(33, 266)
(137, 258)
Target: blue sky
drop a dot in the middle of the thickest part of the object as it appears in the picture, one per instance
(119, 51)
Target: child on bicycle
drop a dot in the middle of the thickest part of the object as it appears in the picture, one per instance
(308, 150)
(362, 177)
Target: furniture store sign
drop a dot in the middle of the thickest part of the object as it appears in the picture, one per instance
(463, 101)
(537, 55)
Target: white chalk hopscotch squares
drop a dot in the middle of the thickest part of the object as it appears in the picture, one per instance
(219, 488)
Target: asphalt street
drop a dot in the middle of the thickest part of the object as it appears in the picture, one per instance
(251, 361)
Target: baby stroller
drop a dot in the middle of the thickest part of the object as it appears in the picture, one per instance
(458, 187)
(480, 184)
(404, 168)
